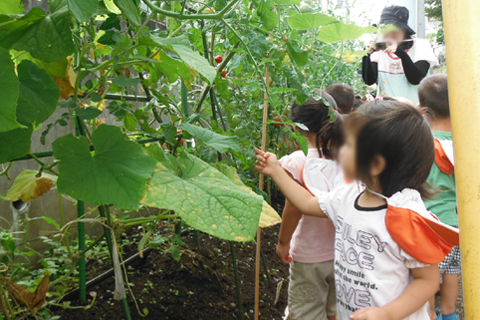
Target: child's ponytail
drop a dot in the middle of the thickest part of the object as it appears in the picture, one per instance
(316, 116)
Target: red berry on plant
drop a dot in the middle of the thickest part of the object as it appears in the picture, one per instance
(223, 73)
(218, 59)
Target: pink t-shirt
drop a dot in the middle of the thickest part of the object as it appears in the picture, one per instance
(314, 239)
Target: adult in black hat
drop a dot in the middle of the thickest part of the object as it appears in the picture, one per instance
(402, 62)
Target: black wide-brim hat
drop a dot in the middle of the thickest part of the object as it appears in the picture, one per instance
(396, 15)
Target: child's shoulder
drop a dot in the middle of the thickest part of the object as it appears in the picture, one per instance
(293, 163)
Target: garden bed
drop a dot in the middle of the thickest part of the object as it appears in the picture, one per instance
(200, 286)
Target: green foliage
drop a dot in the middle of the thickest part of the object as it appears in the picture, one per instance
(304, 21)
(82, 10)
(115, 174)
(205, 199)
(11, 7)
(8, 99)
(340, 31)
(214, 140)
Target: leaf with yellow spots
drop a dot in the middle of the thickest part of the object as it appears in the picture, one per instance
(28, 186)
(269, 216)
(204, 198)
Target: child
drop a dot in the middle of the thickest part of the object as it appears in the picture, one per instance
(343, 96)
(389, 147)
(433, 96)
(310, 240)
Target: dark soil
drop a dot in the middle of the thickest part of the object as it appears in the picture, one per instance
(200, 286)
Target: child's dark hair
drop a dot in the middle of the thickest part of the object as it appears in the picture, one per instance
(343, 95)
(315, 115)
(433, 96)
(400, 134)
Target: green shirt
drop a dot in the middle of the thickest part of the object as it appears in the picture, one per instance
(445, 201)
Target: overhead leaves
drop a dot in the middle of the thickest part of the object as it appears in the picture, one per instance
(116, 172)
(47, 38)
(269, 216)
(172, 68)
(20, 138)
(196, 61)
(304, 21)
(216, 141)
(8, 99)
(38, 94)
(340, 31)
(205, 199)
(296, 2)
(130, 10)
(298, 56)
(28, 186)
(270, 18)
(83, 9)
(11, 7)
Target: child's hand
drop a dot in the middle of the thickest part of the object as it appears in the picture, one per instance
(370, 314)
(283, 253)
(267, 163)
(392, 46)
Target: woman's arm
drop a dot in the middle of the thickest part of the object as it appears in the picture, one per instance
(369, 70)
(414, 72)
(413, 298)
(297, 195)
(290, 218)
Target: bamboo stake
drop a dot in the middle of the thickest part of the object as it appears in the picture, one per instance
(262, 181)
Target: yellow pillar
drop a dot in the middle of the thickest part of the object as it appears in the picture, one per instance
(462, 36)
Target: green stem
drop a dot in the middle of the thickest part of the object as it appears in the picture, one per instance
(81, 247)
(173, 32)
(334, 65)
(180, 16)
(237, 281)
(62, 221)
(266, 270)
(5, 171)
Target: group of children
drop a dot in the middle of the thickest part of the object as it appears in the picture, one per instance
(358, 229)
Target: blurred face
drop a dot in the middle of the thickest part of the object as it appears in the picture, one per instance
(348, 156)
(397, 35)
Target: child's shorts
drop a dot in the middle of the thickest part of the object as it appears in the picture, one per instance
(311, 294)
(452, 263)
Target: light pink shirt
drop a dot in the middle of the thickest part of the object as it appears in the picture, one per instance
(313, 240)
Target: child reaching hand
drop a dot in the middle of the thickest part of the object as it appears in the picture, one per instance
(433, 96)
(307, 242)
(386, 243)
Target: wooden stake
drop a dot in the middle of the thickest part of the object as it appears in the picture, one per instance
(262, 181)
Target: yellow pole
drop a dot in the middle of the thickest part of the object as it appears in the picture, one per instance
(462, 36)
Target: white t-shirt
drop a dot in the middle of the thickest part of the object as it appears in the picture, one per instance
(391, 76)
(371, 269)
(314, 237)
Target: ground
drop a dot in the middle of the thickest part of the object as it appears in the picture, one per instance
(201, 286)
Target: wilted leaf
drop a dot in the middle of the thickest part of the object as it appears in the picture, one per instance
(340, 31)
(304, 21)
(32, 300)
(67, 84)
(28, 186)
(205, 199)
(269, 216)
(216, 141)
(115, 173)
(8, 99)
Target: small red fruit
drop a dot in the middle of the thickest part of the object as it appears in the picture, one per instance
(218, 59)
(182, 142)
(223, 73)
(179, 131)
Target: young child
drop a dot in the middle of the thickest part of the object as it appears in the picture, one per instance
(389, 147)
(307, 242)
(433, 96)
(343, 96)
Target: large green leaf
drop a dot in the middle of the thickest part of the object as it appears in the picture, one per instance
(340, 31)
(205, 199)
(57, 68)
(196, 61)
(172, 68)
(304, 21)
(299, 56)
(270, 18)
(47, 38)
(15, 143)
(9, 95)
(269, 216)
(83, 9)
(116, 173)
(39, 94)
(216, 141)
(11, 7)
(130, 10)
